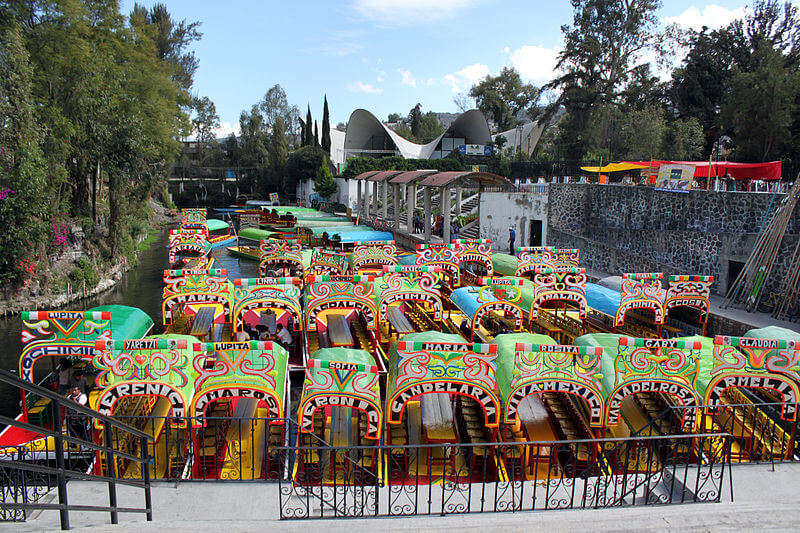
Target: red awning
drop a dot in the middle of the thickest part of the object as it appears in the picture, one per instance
(740, 171)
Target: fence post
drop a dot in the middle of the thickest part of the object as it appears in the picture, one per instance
(110, 468)
(62, 478)
(148, 502)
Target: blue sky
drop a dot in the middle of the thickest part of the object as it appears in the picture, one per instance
(382, 55)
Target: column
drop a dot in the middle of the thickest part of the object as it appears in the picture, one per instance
(446, 214)
(458, 200)
(365, 204)
(426, 214)
(359, 200)
(374, 198)
(385, 206)
(411, 195)
(396, 204)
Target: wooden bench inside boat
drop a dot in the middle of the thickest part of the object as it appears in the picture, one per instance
(202, 323)
(339, 331)
(399, 321)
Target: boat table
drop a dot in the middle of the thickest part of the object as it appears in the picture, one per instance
(437, 417)
(203, 320)
(535, 419)
(399, 321)
(339, 331)
(341, 427)
(269, 319)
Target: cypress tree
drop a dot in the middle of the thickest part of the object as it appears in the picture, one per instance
(316, 134)
(309, 132)
(326, 127)
(303, 135)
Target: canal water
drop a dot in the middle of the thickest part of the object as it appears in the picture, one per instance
(139, 287)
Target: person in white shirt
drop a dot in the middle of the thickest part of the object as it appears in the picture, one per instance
(242, 336)
(77, 422)
(284, 336)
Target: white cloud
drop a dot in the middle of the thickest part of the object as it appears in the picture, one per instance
(534, 63)
(226, 128)
(405, 12)
(407, 78)
(361, 87)
(467, 76)
(712, 15)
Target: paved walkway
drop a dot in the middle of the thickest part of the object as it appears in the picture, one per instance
(764, 499)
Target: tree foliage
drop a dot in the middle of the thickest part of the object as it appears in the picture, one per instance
(326, 127)
(323, 182)
(504, 98)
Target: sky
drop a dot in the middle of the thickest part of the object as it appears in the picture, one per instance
(382, 55)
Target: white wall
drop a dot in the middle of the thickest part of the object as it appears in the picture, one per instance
(499, 210)
(347, 193)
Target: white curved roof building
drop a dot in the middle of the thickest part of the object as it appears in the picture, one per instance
(368, 136)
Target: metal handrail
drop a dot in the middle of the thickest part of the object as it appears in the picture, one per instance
(62, 472)
(13, 379)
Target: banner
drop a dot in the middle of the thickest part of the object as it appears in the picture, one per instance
(675, 178)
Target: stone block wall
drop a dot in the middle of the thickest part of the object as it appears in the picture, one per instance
(638, 229)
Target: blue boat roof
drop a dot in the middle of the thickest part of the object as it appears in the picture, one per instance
(408, 259)
(466, 299)
(602, 298)
(353, 236)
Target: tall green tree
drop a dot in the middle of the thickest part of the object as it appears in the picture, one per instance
(504, 97)
(278, 151)
(205, 122)
(24, 205)
(415, 120)
(316, 134)
(323, 181)
(309, 138)
(326, 127)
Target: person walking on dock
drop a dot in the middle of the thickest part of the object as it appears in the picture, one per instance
(512, 236)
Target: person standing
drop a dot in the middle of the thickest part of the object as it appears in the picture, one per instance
(512, 236)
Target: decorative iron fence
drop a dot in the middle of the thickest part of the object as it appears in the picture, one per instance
(444, 479)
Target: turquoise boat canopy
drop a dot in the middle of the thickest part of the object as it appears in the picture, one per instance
(214, 224)
(356, 236)
(466, 299)
(127, 322)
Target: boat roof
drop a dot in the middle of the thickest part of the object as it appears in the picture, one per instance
(506, 356)
(602, 299)
(127, 322)
(215, 224)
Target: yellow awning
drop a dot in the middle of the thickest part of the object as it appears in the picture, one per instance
(614, 167)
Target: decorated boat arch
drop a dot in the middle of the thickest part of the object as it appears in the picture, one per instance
(189, 243)
(191, 289)
(153, 366)
(279, 254)
(476, 254)
(254, 369)
(74, 333)
(445, 256)
(641, 291)
(375, 254)
(254, 295)
(328, 262)
(666, 366)
(194, 218)
(408, 283)
(540, 368)
(744, 362)
(477, 303)
(689, 291)
(531, 258)
(565, 285)
(341, 292)
(438, 363)
(341, 377)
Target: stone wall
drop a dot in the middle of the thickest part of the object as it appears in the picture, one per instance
(638, 229)
(499, 210)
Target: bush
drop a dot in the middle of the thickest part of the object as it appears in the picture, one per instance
(84, 273)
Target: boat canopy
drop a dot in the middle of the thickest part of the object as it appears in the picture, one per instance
(366, 235)
(373, 253)
(433, 362)
(214, 224)
(252, 369)
(340, 292)
(312, 223)
(531, 364)
(504, 264)
(73, 333)
(340, 230)
(255, 234)
(401, 285)
(158, 365)
(341, 377)
(197, 288)
(602, 299)
(762, 362)
(667, 366)
(253, 295)
(477, 302)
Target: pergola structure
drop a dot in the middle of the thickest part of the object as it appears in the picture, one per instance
(406, 184)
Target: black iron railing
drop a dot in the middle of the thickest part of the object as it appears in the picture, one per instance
(443, 479)
(66, 451)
